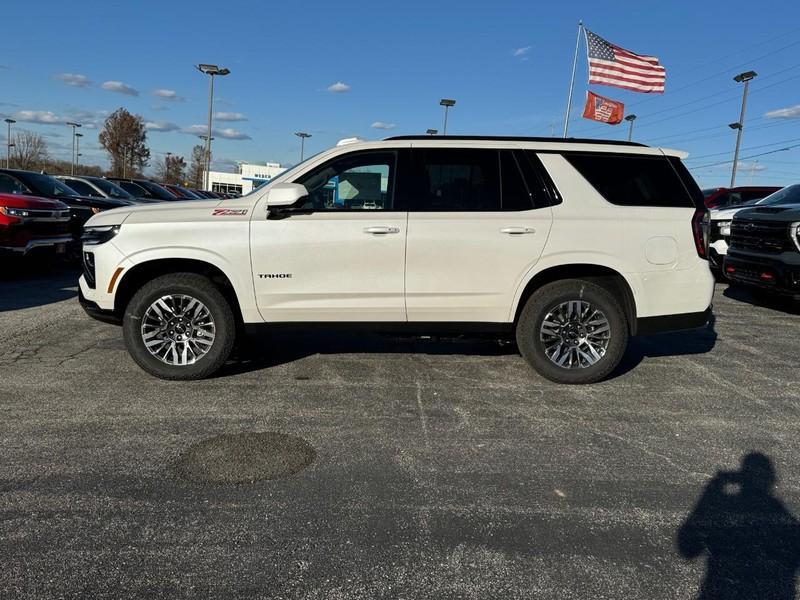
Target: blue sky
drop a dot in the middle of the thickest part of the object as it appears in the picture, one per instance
(506, 63)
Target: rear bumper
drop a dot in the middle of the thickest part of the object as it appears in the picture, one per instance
(775, 275)
(665, 323)
(94, 311)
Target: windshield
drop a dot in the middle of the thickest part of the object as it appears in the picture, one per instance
(113, 190)
(156, 190)
(289, 171)
(787, 195)
(708, 191)
(45, 185)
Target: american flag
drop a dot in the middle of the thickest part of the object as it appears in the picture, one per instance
(615, 66)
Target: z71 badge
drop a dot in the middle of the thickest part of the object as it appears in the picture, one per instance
(228, 212)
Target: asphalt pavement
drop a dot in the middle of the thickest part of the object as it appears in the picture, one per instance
(414, 468)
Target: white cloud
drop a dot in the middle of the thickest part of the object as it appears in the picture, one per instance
(229, 116)
(791, 112)
(170, 95)
(160, 126)
(74, 79)
(228, 133)
(119, 88)
(520, 52)
(382, 125)
(338, 88)
(37, 116)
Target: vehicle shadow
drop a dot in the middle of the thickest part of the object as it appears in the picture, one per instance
(750, 540)
(287, 344)
(763, 299)
(25, 285)
(674, 343)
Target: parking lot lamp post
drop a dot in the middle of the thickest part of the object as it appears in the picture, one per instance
(211, 71)
(78, 137)
(740, 78)
(630, 119)
(8, 143)
(302, 135)
(74, 128)
(432, 131)
(447, 103)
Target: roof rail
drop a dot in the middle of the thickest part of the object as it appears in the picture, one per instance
(510, 138)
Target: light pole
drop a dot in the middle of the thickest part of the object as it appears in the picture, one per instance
(210, 70)
(74, 128)
(8, 143)
(78, 137)
(302, 135)
(432, 131)
(630, 119)
(739, 126)
(447, 103)
(207, 140)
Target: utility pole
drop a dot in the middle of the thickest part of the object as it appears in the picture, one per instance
(78, 137)
(74, 128)
(8, 143)
(739, 126)
(630, 119)
(447, 103)
(210, 70)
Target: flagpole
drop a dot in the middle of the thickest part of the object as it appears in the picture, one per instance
(572, 80)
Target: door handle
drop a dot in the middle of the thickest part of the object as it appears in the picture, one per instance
(517, 230)
(381, 230)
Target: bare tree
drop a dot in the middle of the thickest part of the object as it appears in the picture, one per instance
(29, 150)
(198, 166)
(172, 169)
(125, 139)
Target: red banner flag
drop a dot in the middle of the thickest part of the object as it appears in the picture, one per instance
(603, 109)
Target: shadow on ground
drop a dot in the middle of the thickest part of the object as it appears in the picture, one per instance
(749, 538)
(26, 284)
(762, 298)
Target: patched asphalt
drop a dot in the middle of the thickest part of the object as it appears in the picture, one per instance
(438, 468)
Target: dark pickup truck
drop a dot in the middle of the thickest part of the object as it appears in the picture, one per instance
(765, 245)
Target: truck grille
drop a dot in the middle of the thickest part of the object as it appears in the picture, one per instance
(761, 236)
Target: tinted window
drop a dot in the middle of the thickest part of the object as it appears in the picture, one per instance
(113, 191)
(447, 180)
(361, 181)
(45, 185)
(635, 180)
(9, 185)
(753, 196)
(788, 195)
(82, 188)
(134, 189)
(516, 195)
(156, 190)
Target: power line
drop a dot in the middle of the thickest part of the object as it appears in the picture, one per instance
(727, 162)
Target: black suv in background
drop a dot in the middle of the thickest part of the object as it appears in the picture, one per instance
(142, 188)
(765, 245)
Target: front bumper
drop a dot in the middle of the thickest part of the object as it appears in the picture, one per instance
(773, 274)
(35, 243)
(94, 311)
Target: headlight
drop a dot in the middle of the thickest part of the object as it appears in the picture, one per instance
(724, 228)
(92, 236)
(794, 230)
(14, 212)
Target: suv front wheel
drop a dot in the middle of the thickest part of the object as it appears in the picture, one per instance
(179, 326)
(572, 331)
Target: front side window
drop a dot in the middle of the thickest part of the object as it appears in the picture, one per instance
(9, 185)
(82, 188)
(455, 180)
(133, 189)
(359, 181)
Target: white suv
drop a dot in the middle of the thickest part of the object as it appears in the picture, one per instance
(574, 245)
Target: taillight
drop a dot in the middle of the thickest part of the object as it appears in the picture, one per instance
(700, 226)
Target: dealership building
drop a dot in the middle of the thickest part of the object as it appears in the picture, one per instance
(247, 177)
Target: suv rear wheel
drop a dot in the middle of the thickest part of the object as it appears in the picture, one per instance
(572, 331)
(179, 326)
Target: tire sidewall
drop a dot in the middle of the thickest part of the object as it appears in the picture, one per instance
(197, 287)
(550, 296)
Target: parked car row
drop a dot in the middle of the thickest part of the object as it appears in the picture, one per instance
(40, 212)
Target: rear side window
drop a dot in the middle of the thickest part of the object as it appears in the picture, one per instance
(636, 180)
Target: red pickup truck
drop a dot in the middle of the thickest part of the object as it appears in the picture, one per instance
(28, 223)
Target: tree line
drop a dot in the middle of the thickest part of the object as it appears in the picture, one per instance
(124, 138)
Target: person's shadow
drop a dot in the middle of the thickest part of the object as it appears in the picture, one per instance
(751, 540)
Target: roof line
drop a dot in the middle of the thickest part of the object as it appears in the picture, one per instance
(508, 138)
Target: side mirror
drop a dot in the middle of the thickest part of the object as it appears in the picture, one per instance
(285, 194)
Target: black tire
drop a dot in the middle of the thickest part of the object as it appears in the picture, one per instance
(195, 286)
(546, 299)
